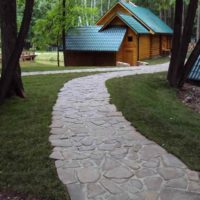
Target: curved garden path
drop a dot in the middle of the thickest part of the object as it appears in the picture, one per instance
(100, 156)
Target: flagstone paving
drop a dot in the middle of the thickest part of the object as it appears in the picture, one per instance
(100, 156)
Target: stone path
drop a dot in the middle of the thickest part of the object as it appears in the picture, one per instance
(100, 156)
(68, 71)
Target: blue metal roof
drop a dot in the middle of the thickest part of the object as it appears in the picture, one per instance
(133, 23)
(195, 73)
(90, 39)
(148, 18)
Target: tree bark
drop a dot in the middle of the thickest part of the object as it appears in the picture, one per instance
(176, 41)
(11, 67)
(64, 29)
(58, 53)
(8, 38)
(198, 23)
(186, 37)
(181, 42)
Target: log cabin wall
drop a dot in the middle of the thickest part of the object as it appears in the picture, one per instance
(128, 52)
(81, 58)
(155, 45)
(144, 47)
(166, 42)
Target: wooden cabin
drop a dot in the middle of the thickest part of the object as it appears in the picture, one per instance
(126, 33)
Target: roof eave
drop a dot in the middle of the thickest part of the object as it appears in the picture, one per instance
(142, 22)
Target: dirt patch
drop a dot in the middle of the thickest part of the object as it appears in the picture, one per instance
(190, 95)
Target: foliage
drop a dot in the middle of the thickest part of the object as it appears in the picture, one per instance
(81, 13)
(54, 21)
(154, 109)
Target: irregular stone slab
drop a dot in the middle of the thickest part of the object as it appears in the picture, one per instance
(171, 194)
(145, 172)
(109, 163)
(86, 148)
(88, 175)
(171, 161)
(153, 183)
(170, 173)
(133, 186)
(123, 196)
(106, 147)
(119, 173)
(151, 195)
(119, 153)
(136, 147)
(110, 186)
(138, 196)
(56, 155)
(180, 183)
(193, 176)
(132, 156)
(87, 141)
(80, 156)
(151, 151)
(194, 187)
(94, 190)
(87, 163)
(67, 175)
(72, 164)
(61, 143)
(97, 155)
(76, 192)
(154, 163)
(131, 163)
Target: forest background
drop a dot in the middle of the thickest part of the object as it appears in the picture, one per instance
(48, 19)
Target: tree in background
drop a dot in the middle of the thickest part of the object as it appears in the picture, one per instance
(182, 36)
(12, 46)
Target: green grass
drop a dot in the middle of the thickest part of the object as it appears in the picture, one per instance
(45, 66)
(25, 166)
(154, 109)
(159, 60)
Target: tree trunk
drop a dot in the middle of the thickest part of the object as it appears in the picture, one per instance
(176, 41)
(58, 54)
(198, 24)
(11, 67)
(8, 38)
(181, 41)
(186, 37)
(190, 63)
(64, 30)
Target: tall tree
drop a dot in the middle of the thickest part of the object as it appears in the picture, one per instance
(181, 41)
(9, 76)
(8, 38)
(63, 26)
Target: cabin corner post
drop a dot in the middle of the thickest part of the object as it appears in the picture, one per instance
(160, 44)
(138, 51)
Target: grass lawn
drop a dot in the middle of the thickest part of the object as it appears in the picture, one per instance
(159, 60)
(46, 66)
(25, 166)
(154, 109)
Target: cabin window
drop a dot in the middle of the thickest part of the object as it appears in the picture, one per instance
(130, 39)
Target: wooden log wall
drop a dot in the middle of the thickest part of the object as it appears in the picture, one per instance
(155, 45)
(128, 51)
(144, 47)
